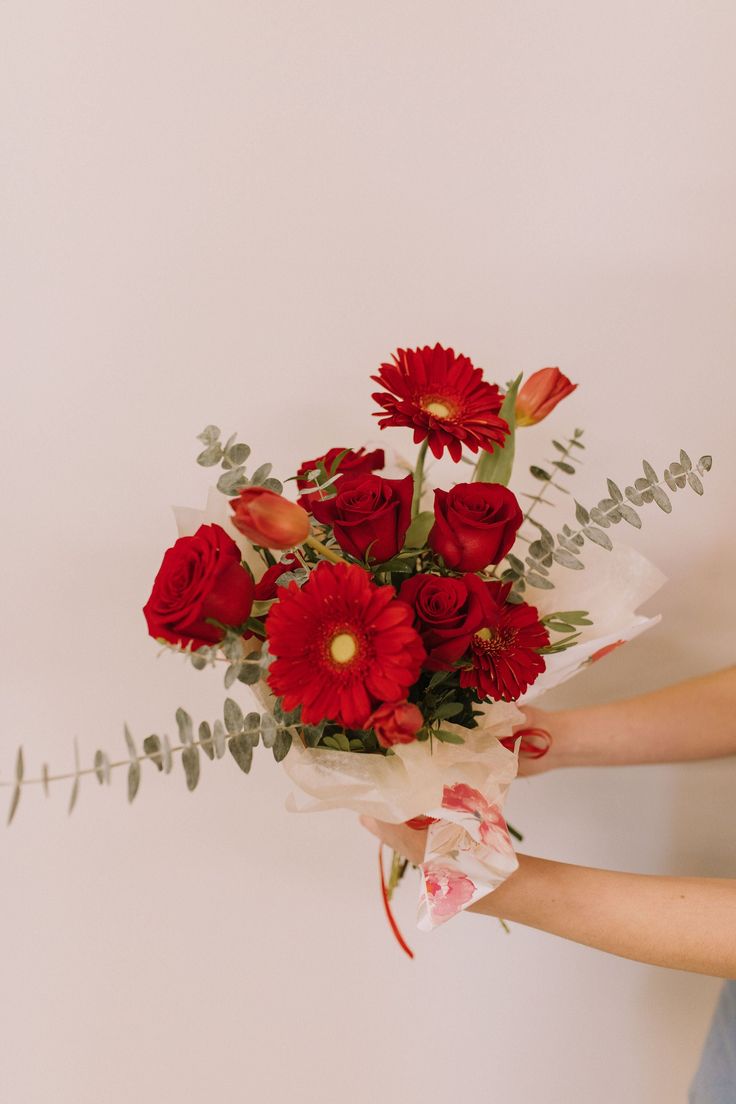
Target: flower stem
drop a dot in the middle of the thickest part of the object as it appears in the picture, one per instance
(323, 550)
(419, 478)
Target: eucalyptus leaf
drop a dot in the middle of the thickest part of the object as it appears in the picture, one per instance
(705, 463)
(599, 518)
(633, 496)
(210, 456)
(14, 801)
(205, 740)
(134, 779)
(281, 745)
(662, 499)
(581, 514)
(446, 737)
(237, 454)
(45, 779)
(209, 434)
(685, 460)
(274, 485)
(249, 674)
(231, 674)
(190, 762)
(630, 515)
(184, 724)
(540, 473)
(566, 559)
(233, 715)
(19, 766)
(241, 750)
(102, 767)
(166, 756)
(649, 472)
(694, 482)
(218, 738)
(73, 795)
(152, 748)
(537, 581)
(598, 537)
(130, 743)
(268, 730)
(260, 474)
(614, 491)
(568, 469)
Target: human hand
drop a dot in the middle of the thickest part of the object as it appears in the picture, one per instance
(409, 842)
(533, 758)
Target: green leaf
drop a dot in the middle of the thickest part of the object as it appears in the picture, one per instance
(233, 715)
(418, 531)
(241, 750)
(630, 515)
(102, 767)
(260, 474)
(540, 473)
(597, 516)
(152, 748)
(581, 514)
(272, 484)
(268, 730)
(184, 724)
(249, 674)
(134, 779)
(205, 740)
(281, 745)
(566, 559)
(614, 491)
(496, 466)
(45, 779)
(232, 482)
(166, 756)
(448, 709)
(446, 737)
(649, 472)
(598, 537)
(73, 795)
(694, 482)
(705, 463)
(190, 762)
(238, 454)
(218, 738)
(209, 435)
(568, 469)
(634, 496)
(130, 743)
(538, 582)
(685, 460)
(662, 499)
(210, 456)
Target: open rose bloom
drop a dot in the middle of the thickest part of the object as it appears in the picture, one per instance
(392, 630)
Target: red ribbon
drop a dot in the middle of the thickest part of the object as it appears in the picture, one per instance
(527, 748)
(387, 907)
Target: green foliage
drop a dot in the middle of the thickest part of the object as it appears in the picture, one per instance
(593, 523)
(232, 456)
(496, 466)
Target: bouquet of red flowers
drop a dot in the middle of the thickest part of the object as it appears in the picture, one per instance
(386, 627)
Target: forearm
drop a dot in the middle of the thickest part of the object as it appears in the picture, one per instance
(681, 923)
(691, 720)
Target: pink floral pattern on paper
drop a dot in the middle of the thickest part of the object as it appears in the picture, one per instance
(448, 891)
(491, 824)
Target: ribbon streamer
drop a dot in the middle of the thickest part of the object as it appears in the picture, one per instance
(384, 893)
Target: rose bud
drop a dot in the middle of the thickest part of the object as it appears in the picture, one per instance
(475, 525)
(540, 395)
(269, 519)
(353, 462)
(266, 587)
(369, 515)
(201, 577)
(395, 723)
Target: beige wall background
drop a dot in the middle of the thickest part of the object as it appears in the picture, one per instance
(232, 212)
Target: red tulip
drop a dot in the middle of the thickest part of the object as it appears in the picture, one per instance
(269, 519)
(540, 395)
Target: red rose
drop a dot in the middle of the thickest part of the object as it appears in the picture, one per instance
(475, 525)
(395, 723)
(200, 577)
(369, 515)
(268, 519)
(353, 463)
(448, 613)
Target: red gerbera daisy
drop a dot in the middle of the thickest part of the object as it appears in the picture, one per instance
(442, 397)
(343, 645)
(505, 660)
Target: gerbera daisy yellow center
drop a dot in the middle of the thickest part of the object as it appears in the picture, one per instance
(343, 647)
(494, 641)
(439, 409)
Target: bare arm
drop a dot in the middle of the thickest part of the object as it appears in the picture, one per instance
(681, 923)
(691, 720)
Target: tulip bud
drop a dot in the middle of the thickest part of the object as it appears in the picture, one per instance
(540, 395)
(269, 519)
(395, 723)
